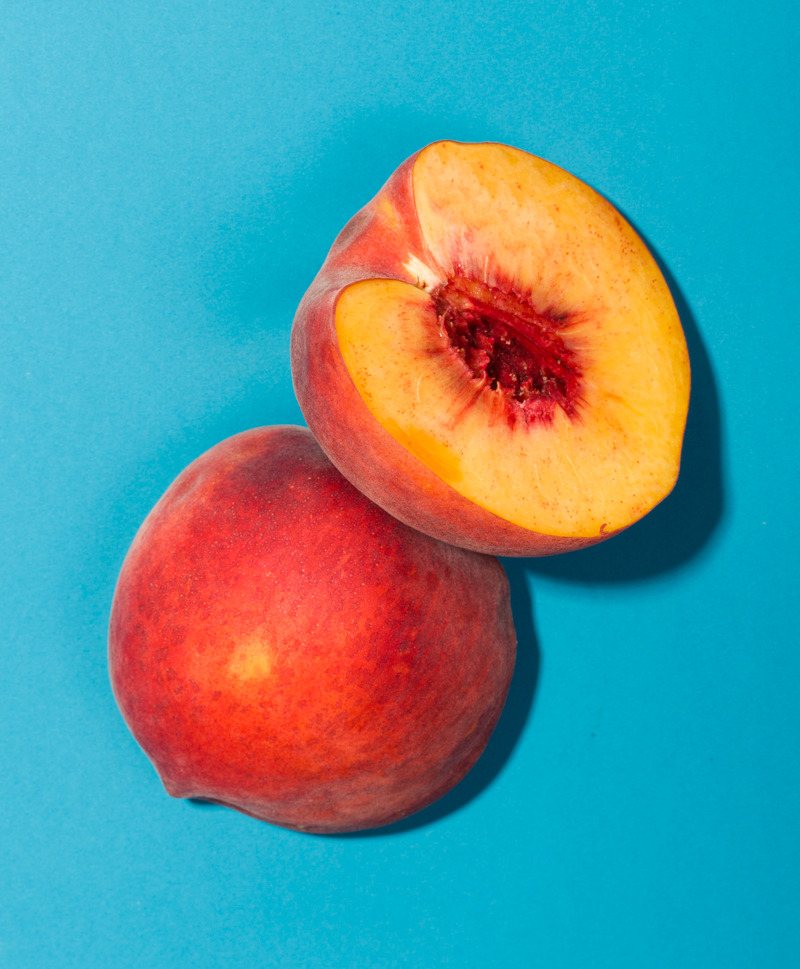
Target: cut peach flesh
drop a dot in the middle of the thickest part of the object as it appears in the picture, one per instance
(525, 227)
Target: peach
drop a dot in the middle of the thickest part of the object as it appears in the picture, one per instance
(491, 353)
(281, 645)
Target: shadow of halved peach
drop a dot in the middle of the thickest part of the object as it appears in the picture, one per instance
(491, 354)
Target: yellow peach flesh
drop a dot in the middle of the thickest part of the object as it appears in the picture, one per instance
(524, 226)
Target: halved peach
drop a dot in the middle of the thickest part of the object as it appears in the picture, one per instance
(491, 354)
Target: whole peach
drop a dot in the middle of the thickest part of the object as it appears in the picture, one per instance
(281, 645)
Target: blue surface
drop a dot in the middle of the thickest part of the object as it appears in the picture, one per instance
(171, 176)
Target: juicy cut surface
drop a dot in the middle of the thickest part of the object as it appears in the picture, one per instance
(524, 349)
(517, 351)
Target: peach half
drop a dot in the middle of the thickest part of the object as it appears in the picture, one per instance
(491, 354)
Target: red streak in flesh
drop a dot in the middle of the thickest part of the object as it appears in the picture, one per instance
(516, 350)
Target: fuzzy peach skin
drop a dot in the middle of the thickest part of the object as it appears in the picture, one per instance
(281, 645)
(491, 354)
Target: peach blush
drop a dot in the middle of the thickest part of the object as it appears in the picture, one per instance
(281, 645)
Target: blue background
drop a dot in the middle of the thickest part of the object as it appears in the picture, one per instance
(172, 174)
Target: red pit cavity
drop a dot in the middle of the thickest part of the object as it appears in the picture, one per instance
(506, 343)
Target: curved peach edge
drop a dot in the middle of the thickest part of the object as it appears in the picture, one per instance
(281, 817)
(369, 457)
(376, 243)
